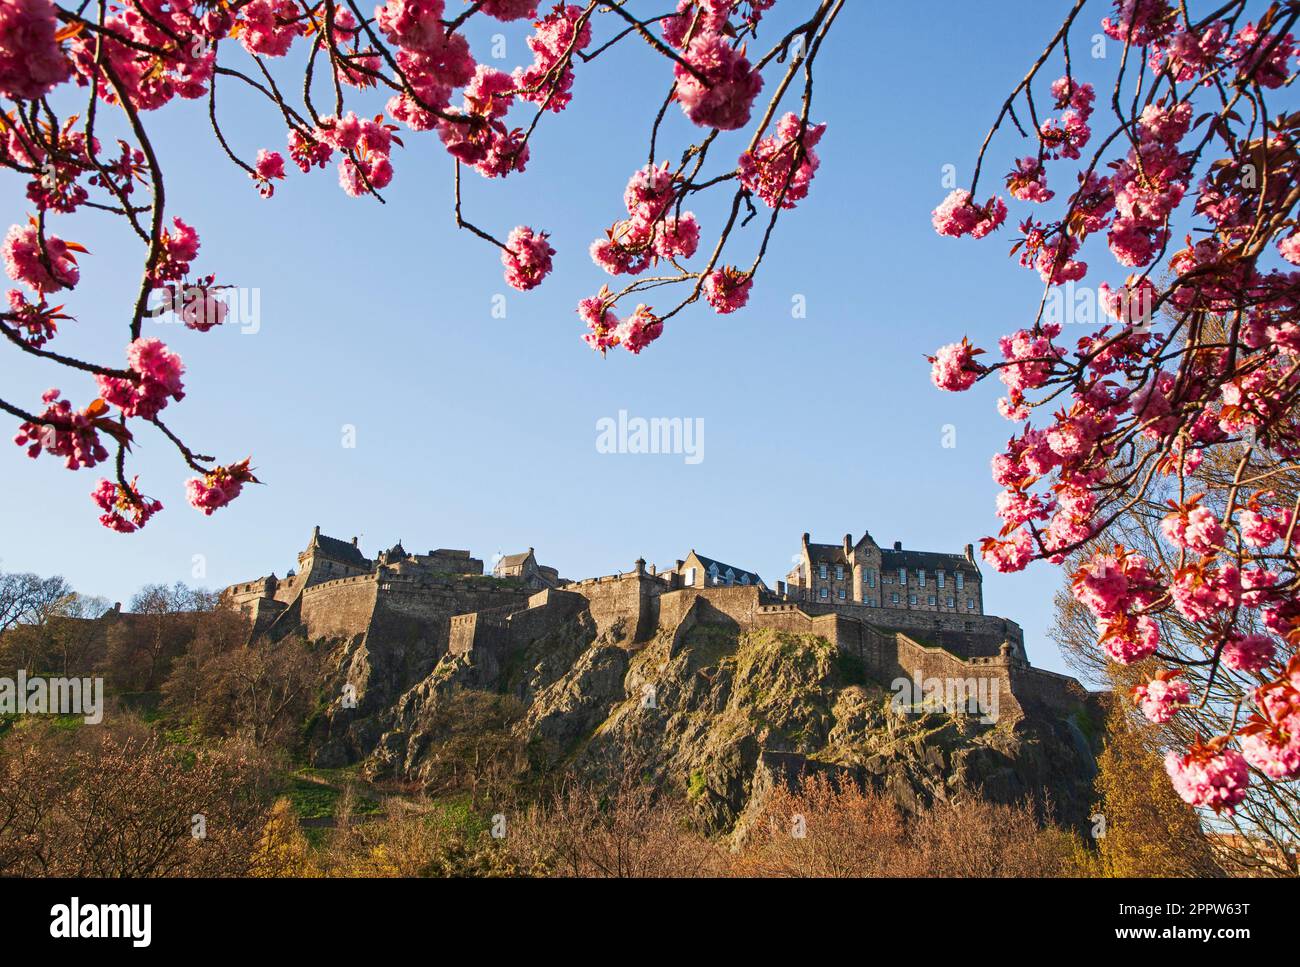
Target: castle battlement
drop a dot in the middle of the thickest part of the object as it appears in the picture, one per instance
(443, 604)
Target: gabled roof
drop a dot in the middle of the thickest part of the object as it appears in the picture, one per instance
(709, 562)
(513, 560)
(827, 554)
(344, 551)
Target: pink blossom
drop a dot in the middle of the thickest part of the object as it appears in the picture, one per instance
(1160, 698)
(31, 63)
(51, 271)
(1139, 22)
(412, 24)
(510, 9)
(1273, 748)
(36, 323)
(1289, 248)
(1101, 585)
(957, 216)
(157, 372)
(1031, 355)
(269, 166)
(549, 79)
(527, 258)
(180, 247)
(639, 329)
(270, 27)
(699, 16)
(1248, 653)
(218, 487)
(677, 237)
(125, 510)
(1263, 62)
(1262, 528)
(200, 306)
(1209, 777)
(1200, 593)
(1126, 640)
(488, 92)
(1011, 555)
(63, 432)
(722, 96)
(307, 151)
(770, 170)
(1028, 181)
(953, 367)
(600, 320)
(1196, 530)
(649, 192)
(727, 289)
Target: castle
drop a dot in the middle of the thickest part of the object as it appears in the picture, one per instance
(902, 613)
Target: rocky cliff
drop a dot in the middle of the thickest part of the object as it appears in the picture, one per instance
(713, 712)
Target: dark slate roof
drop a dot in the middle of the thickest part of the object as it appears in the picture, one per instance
(827, 553)
(708, 562)
(891, 560)
(344, 551)
(513, 560)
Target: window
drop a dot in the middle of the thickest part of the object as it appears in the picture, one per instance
(823, 593)
(970, 604)
(871, 578)
(930, 601)
(893, 598)
(961, 580)
(902, 575)
(841, 594)
(871, 602)
(839, 572)
(911, 599)
(938, 577)
(690, 577)
(744, 579)
(952, 602)
(920, 577)
(821, 571)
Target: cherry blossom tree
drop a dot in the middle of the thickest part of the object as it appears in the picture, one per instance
(135, 56)
(1189, 184)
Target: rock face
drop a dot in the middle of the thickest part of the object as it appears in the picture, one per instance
(719, 715)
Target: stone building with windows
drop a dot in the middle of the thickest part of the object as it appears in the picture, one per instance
(698, 571)
(934, 595)
(864, 573)
(524, 567)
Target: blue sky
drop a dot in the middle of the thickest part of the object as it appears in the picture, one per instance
(479, 432)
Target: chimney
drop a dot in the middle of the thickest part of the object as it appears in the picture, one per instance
(315, 532)
(898, 545)
(640, 565)
(117, 606)
(354, 542)
(848, 544)
(970, 553)
(653, 569)
(780, 588)
(805, 539)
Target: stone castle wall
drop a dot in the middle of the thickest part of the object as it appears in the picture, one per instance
(341, 608)
(426, 614)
